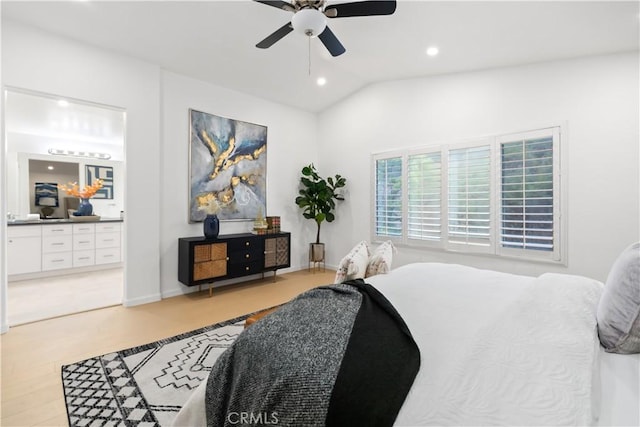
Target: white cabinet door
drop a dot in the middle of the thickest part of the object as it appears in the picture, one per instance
(24, 255)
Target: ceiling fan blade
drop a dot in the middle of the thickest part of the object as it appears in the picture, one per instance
(278, 3)
(275, 36)
(361, 8)
(331, 42)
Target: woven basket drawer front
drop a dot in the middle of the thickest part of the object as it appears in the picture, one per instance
(214, 251)
(270, 259)
(219, 251)
(270, 245)
(282, 251)
(209, 269)
(201, 253)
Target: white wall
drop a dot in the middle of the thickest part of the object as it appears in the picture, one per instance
(43, 62)
(291, 143)
(597, 97)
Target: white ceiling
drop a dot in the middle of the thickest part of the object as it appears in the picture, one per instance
(215, 40)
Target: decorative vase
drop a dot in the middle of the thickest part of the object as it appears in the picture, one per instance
(211, 226)
(84, 208)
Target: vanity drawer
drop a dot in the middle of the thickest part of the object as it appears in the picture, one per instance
(108, 240)
(83, 241)
(57, 244)
(56, 261)
(24, 231)
(84, 229)
(107, 227)
(57, 230)
(107, 255)
(84, 258)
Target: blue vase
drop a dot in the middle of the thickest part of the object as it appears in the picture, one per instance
(84, 208)
(211, 226)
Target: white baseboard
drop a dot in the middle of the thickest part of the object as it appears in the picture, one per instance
(142, 300)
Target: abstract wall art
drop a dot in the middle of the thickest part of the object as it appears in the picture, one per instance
(105, 173)
(46, 194)
(227, 168)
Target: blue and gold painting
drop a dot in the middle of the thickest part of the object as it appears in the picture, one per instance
(228, 168)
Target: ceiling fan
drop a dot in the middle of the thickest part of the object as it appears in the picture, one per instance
(310, 19)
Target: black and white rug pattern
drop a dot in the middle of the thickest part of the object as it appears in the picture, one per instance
(145, 385)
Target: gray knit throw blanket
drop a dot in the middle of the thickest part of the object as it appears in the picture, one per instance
(337, 355)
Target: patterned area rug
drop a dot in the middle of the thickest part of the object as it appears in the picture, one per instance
(145, 385)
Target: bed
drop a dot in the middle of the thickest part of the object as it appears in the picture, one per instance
(500, 349)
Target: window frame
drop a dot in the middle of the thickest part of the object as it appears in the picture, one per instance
(494, 248)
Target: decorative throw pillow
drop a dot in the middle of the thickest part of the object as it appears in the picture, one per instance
(619, 307)
(380, 261)
(354, 265)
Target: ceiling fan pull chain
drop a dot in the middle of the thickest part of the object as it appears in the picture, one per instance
(309, 50)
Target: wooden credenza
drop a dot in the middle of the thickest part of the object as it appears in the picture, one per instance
(203, 261)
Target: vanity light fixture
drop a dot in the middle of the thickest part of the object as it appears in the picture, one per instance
(58, 152)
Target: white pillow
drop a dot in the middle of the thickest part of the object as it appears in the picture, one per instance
(354, 265)
(619, 307)
(380, 261)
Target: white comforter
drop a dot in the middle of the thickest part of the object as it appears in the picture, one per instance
(496, 348)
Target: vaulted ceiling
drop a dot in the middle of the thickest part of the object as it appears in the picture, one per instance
(215, 41)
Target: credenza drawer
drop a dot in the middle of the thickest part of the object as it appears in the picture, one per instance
(107, 255)
(237, 270)
(57, 244)
(56, 261)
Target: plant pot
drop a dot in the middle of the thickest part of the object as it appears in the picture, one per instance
(316, 252)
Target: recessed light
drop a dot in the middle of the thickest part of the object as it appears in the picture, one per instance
(432, 51)
(63, 103)
(50, 167)
(321, 81)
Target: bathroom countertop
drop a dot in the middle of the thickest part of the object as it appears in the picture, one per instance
(59, 221)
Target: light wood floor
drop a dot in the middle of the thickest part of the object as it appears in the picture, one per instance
(32, 354)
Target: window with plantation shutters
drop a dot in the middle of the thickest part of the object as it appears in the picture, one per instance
(469, 194)
(497, 195)
(527, 220)
(424, 192)
(388, 197)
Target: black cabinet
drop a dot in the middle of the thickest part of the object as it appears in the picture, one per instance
(202, 260)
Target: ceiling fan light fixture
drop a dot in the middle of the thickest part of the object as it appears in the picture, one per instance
(310, 22)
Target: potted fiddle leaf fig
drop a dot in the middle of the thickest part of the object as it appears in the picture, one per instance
(317, 200)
